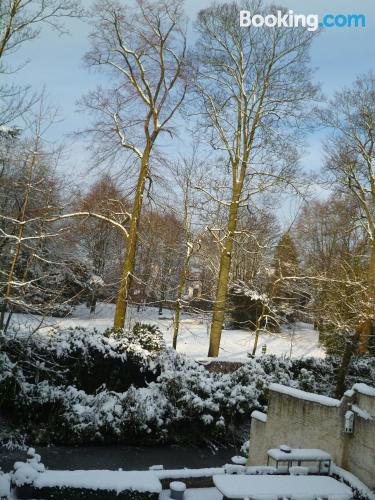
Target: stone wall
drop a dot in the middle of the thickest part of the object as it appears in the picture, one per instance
(300, 422)
(360, 454)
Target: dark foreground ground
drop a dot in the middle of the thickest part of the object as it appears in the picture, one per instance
(120, 456)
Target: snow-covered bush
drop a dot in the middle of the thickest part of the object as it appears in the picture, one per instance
(144, 340)
(83, 358)
(78, 386)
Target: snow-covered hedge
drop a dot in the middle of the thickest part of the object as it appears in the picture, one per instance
(78, 386)
(85, 359)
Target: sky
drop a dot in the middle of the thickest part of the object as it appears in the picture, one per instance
(55, 62)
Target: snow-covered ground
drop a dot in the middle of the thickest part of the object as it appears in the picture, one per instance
(196, 494)
(302, 341)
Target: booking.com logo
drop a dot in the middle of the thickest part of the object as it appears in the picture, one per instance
(309, 21)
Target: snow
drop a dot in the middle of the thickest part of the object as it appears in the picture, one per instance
(361, 413)
(298, 470)
(299, 454)
(365, 389)
(100, 480)
(27, 472)
(4, 485)
(239, 460)
(353, 481)
(193, 338)
(187, 473)
(177, 486)
(272, 487)
(258, 415)
(261, 469)
(307, 396)
(196, 494)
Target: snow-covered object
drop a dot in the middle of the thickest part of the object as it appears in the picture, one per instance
(349, 421)
(27, 472)
(239, 460)
(177, 486)
(184, 394)
(24, 473)
(4, 485)
(234, 469)
(297, 454)
(100, 480)
(189, 473)
(195, 494)
(177, 490)
(258, 415)
(285, 448)
(365, 389)
(361, 413)
(271, 487)
(307, 396)
(261, 469)
(298, 470)
(352, 481)
(156, 467)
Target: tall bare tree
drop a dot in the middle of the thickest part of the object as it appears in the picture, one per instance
(253, 85)
(143, 45)
(350, 164)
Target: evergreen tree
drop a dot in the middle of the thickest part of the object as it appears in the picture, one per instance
(286, 267)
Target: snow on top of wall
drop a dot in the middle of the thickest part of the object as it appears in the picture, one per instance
(306, 396)
(361, 413)
(100, 480)
(365, 389)
(258, 415)
(353, 481)
(187, 473)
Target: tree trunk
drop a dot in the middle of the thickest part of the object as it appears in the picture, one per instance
(223, 280)
(129, 263)
(350, 349)
(257, 329)
(93, 300)
(180, 289)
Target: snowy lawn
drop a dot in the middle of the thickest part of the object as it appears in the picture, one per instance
(301, 341)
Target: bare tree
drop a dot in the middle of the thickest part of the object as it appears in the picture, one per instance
(350, 164)
(143, 46)
(100, 241)
(253, 86)
(333, 245)
(187, 175)
(20, 22)
(28, 176)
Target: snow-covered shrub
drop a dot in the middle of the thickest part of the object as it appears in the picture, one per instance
(307, 380)
(74, 386)
(84, 358)
(144, 340)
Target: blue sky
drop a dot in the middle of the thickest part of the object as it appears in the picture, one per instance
(339, 54)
